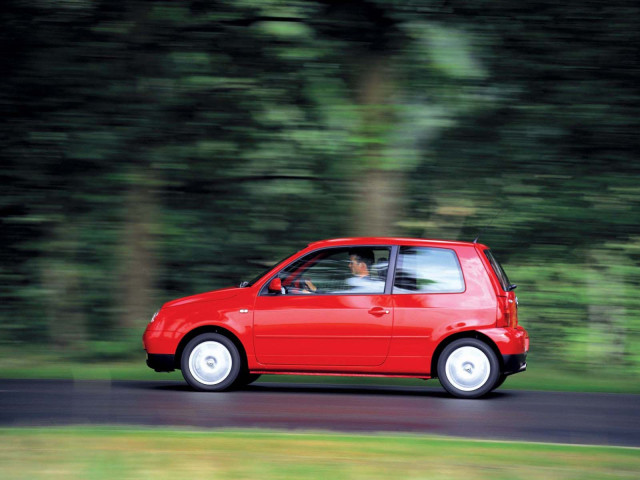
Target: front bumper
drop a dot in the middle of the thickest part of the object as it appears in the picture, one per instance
(161, 362)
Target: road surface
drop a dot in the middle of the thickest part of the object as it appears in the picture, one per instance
(580, 418)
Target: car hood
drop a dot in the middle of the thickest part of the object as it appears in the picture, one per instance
(213, 296)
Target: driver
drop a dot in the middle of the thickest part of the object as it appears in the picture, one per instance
(360, 261)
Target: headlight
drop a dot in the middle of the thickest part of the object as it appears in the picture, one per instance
(154, 316)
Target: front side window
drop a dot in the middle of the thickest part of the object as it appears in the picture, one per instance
(428, 270)
(353, 270)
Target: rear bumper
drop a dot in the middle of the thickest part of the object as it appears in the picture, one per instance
(514, 363)
(161, 362)
(510, 341)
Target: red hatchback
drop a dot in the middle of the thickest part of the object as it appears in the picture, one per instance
(392, 307)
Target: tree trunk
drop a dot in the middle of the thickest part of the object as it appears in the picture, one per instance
(138, 259)
(378, 183)
(62, 282)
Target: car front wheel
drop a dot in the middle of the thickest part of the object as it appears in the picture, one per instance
(468, 368)
(246, 378)
(210, 362)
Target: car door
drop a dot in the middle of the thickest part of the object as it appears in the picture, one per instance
(345, 322)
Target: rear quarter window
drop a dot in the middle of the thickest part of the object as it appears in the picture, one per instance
(428, 270)
(498, 270)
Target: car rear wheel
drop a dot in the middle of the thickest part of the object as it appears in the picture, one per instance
(468, 368)
(210, 362)
(500, 381)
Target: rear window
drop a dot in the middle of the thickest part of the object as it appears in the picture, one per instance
(428, 270)
(498, 270)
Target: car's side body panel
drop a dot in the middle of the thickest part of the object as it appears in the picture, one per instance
(424, 320)
(229, 309)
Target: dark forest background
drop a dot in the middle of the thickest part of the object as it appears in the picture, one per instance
(156, 149)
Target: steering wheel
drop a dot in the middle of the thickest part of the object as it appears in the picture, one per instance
(305, 287)
(300, 286)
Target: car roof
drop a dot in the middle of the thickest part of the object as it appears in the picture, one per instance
(336, 242)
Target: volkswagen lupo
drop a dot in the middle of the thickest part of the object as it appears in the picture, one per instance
(391, 307)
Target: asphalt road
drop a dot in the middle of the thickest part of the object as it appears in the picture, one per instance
(581, 418)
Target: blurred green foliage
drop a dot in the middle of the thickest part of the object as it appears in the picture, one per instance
(156, 149)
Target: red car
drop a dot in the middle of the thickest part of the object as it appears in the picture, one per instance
(395, 307)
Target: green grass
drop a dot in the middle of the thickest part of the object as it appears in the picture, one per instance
(95, 453)
(537, 377)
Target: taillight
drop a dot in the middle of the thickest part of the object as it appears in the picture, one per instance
(507, 319)
(507, 312)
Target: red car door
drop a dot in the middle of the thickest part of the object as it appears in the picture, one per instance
(322, 330)
(341, 324)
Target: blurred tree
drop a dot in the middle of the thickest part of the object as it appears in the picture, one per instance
(153, 149)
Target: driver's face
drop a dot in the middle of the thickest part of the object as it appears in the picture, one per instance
(355, 266)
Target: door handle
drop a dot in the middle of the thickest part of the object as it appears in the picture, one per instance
(379, 311)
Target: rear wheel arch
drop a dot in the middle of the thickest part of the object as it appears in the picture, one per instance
(469, 334)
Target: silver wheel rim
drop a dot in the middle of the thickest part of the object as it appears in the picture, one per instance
(210, 363)
(468, 368)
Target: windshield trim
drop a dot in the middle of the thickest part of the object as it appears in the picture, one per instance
(255, 279)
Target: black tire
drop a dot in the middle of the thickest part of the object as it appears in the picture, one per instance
(252, 377)
(246, 378)
(500, 381)
(468, 368)
(210, 362)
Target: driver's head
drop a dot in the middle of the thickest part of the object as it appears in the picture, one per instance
(360, 260)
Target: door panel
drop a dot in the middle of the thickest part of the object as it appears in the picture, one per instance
(322, 330)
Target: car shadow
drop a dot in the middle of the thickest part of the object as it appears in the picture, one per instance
(391, 390)
(314, 388)
(320, 389)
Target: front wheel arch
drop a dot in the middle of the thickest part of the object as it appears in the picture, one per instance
(209, 329)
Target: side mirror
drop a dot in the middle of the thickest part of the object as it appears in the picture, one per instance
(275, 286)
